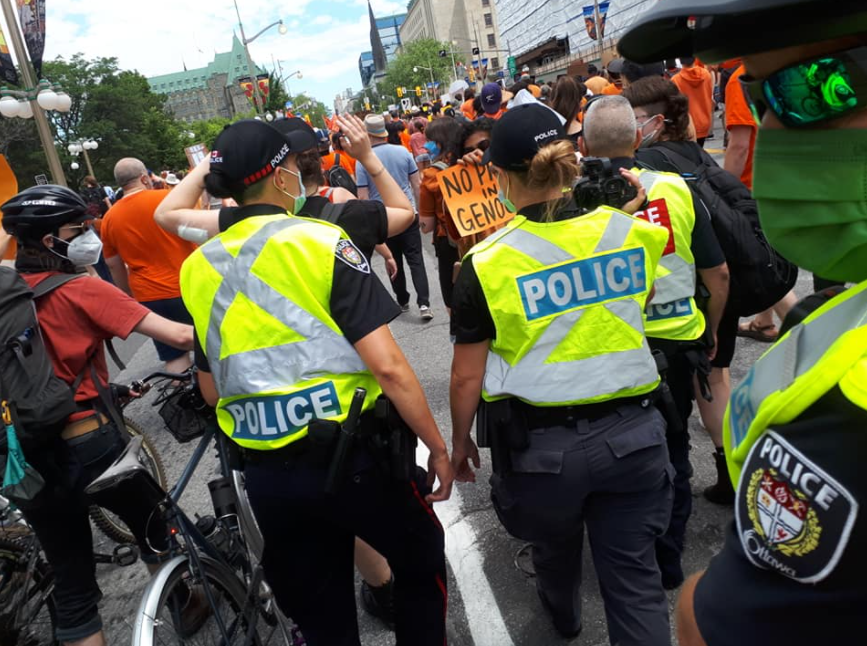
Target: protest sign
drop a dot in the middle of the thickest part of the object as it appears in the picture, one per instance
(470, 192)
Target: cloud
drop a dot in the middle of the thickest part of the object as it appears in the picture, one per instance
(324, 41)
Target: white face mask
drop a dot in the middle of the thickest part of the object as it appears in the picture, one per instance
(83, 250)
(647, 139)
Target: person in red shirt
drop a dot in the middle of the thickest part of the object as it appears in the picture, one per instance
(144, 260)
(50, 225)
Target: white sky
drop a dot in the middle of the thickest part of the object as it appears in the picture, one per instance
(324, 40)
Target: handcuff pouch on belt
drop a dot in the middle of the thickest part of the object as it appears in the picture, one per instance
(502, 426)
(384, 432)
(662, 396)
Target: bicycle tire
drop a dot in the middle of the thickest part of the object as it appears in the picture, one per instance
(157, 616)
(27, 613)
(108, 523)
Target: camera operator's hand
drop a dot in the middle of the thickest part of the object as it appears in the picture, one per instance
(638, 201)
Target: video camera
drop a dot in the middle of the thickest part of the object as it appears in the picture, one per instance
(601, 184)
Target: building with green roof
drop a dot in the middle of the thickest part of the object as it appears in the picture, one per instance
(208, 92)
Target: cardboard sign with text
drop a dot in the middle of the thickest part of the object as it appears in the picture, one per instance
(470, 192)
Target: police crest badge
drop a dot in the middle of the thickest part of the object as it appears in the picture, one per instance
(792, 516)
(349, 254)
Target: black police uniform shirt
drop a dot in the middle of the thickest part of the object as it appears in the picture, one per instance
(471, 320)
(793, 570)
(364, 221)
(359, 301)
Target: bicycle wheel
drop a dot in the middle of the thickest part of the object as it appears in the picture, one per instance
(107, 522)
(26, 604)
(175, 610)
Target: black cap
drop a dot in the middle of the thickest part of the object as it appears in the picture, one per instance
(520, 133)
(717, 30)
(249, 150)
(634, 71)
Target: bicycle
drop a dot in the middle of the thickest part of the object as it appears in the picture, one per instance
(27, 582)
(215, 560)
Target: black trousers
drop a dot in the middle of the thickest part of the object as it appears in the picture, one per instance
(670, 546)
(408, 245)
(447, 256)
(612, 476)
(309, 549)
(62, 524)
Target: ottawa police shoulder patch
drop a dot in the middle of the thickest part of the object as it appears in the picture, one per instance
(349, 254)
(792, 516)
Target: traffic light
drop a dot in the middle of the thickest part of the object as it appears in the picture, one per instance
(399, 92)
(418, 90)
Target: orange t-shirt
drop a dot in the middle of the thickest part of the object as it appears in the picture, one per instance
(153, 256)
(404, 139)
(611, 88)
(738, 113)
(596, 84)
(347, 163)
(696, 83)
(467, 109)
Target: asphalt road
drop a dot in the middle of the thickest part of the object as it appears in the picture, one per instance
(491, 592)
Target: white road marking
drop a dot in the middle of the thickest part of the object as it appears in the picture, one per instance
(486, 623)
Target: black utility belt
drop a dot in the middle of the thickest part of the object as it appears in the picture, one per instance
(547, 416)
(314, 448)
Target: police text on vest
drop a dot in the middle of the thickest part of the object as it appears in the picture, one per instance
(580, 283)
(267, 417)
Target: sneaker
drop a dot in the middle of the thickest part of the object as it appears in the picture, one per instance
(379, 601)
(426, 314)
(404, 307)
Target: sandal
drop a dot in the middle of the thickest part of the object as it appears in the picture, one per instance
(761, 333)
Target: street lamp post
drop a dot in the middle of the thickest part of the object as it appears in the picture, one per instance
(257, 93)
(82, 146)
(429, 69)
(43, 94)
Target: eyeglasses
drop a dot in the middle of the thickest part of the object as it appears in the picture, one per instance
(813, 91)
(482, 145)
(84, 226)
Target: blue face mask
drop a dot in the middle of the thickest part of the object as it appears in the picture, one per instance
(504, 198)
(432, 148)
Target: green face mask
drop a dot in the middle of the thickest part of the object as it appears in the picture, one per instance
(811, 189)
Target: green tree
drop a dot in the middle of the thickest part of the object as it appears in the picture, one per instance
(112, 106)
(409, 69)
(277, 95)
(307, 105)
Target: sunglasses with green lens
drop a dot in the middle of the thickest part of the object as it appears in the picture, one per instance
(813, 91)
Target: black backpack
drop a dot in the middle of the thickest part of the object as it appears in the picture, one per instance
(39, 400)
(338, 177)
(758, 276)
(329, 211)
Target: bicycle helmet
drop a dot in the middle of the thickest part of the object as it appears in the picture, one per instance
(717, 30)
(41, 210)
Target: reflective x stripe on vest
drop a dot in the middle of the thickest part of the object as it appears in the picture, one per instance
(829, 348)
(566, 299)
(279, 365)
(672, 314)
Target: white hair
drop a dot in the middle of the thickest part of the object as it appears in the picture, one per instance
(610, 127)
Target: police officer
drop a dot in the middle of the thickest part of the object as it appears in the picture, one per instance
(550, 336)
(675, 326)
(290, 321)
(792, 570)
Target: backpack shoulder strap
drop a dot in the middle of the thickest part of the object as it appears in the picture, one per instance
(440, 165)
(336, 160)
(53, 282)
